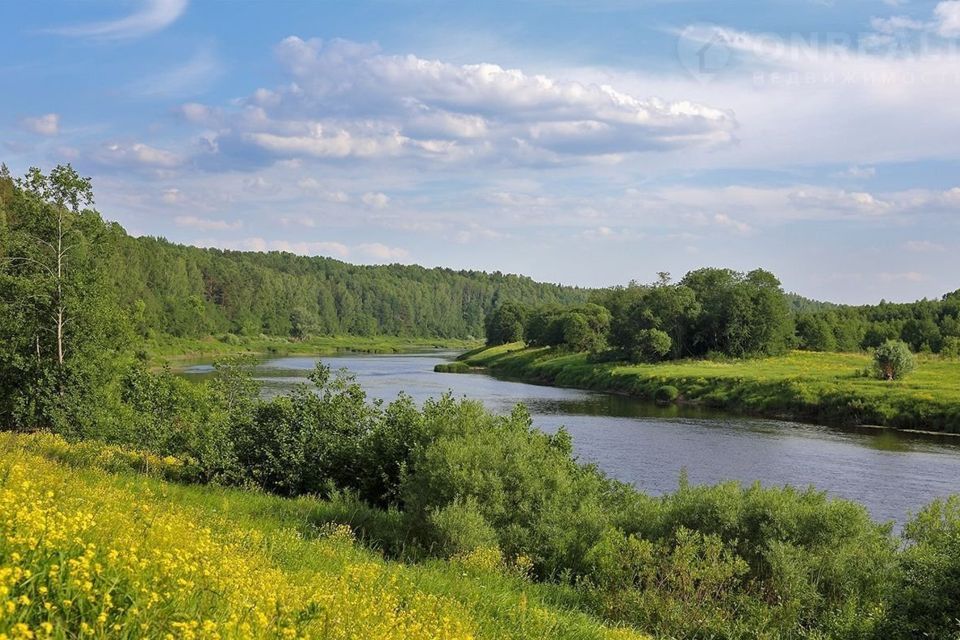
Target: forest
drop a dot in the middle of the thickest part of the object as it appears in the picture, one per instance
(192, 292)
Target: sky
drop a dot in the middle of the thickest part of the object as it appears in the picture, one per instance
(586, 142)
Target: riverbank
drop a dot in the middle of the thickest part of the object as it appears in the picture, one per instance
(172, 349)
(828, 388)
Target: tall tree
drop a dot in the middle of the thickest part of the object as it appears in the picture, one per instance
(59, 324)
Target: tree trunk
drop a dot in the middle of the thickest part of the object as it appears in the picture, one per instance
(60, 309)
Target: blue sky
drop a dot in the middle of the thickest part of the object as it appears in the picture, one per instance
(583, 142)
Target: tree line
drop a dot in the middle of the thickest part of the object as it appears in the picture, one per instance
(165, 288)
(710, 311)
(721, 312)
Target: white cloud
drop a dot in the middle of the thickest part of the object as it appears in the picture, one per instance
(375, 200)
(349, 100)
(378, 251)
(948, 18)
(259, 184)
(303, 221)
(723, 220)
(139, 154)
(205, 224)
(45, 125)
(152, 16)
(313, 187)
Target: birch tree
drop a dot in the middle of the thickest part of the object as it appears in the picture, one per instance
(55, 315)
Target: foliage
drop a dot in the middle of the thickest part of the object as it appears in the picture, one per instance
(61, 327)
(928, 590)
(893, 360)
(582, 327)
(710, 311)
(926, 326)
(667, 394)
(505, 324)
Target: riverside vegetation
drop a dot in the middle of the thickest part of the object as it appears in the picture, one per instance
(206, 510)
(728, 340)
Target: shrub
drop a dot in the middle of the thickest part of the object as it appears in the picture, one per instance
(667, 394)
(893, 360)
(452, 367)
(651, 345)
(522, 482)
(927, 597)
(460, 529)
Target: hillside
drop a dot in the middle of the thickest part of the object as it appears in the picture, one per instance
(188, 291)
(86, 552)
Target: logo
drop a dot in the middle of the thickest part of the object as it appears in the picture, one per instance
(704, 51)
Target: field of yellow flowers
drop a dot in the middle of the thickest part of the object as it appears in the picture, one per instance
(87, 552)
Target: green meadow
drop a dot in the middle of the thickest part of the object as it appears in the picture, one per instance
(834, 388)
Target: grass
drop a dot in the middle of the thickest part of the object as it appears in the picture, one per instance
(826, 387)
(95, 542)
(167, 348)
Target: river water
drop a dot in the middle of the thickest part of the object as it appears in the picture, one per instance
(893, 475)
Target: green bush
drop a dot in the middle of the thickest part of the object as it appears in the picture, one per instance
(893, 360)
(452, 367)
(460, 528)
(926, 602)
(524, 483)
(667, 394)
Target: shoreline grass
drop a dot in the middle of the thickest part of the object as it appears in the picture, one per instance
(829, 388)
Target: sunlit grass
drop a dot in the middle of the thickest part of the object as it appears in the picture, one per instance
(87, 553)
(834, 387)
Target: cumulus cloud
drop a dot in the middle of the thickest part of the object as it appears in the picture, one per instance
(45, 125)
(347, 99)
(152, 16)
(724, 220)
(948, 18)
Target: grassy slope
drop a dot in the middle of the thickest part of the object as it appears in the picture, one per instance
(827, 387)
(169, 348)
(94, 542)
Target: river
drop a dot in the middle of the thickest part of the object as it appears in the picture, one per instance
(892, 474)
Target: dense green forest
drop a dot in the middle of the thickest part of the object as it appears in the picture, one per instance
(192, 292)
(449, 478)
